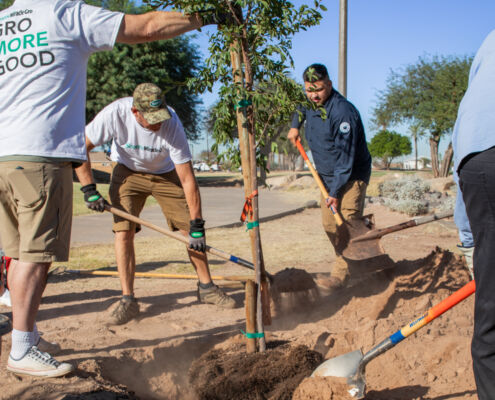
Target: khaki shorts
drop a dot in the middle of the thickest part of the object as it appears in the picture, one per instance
(351, 206)
(129, 191)
(36, 210)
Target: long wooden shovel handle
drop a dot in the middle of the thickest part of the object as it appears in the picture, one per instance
(378, 233)
(178, 236)
(318, 180)
(235, 278)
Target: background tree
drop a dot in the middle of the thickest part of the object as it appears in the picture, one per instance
(387, 145)
(416, 133)
(168, 64)
(426, 95)
(5, 3)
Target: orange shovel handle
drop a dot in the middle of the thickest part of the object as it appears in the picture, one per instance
(318, 180)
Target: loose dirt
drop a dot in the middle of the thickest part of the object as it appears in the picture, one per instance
(176, 338)
(225, 373)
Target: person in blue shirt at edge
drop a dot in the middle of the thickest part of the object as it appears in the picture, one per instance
(473, 140)
(338, 146)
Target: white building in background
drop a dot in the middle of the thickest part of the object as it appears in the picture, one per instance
(411, 164)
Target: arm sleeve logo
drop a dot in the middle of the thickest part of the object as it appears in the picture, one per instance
(344, 127)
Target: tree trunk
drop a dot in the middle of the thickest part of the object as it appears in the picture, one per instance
(416, 152)
(447, 160)
(434, 156)
(265, 151)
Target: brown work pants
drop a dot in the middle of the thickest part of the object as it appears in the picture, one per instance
(351, 206)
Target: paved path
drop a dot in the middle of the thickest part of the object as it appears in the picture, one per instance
(221, 206)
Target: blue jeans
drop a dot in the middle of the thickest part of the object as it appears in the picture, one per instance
(461, 219)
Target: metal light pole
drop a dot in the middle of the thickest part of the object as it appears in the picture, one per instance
(343, 48)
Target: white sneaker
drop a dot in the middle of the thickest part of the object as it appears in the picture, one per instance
(5, 298)
(38, 363)
(48, 347)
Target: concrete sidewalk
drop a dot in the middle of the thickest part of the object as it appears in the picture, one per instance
(222, 206)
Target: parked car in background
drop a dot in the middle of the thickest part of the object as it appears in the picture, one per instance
(215, 167)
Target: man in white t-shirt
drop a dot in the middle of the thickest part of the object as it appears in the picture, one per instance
(44, 49)
(150, 148)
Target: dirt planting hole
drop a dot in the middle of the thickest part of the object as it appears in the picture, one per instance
(231, 373)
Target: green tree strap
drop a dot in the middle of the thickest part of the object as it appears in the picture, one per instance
(251, 225)
(255, 335)
(242, 103)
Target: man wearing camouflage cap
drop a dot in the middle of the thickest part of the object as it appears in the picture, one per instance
(153, 158)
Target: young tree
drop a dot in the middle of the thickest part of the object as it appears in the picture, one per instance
(387, 145)
(249, 56)
(427, 95)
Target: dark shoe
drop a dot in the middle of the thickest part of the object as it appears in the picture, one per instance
(215, 295)
(5, 325)
(126, 310)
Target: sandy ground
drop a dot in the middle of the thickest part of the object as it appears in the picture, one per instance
(150, 358)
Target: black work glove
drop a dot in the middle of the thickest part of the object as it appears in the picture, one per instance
(197, 239)
(93, 199)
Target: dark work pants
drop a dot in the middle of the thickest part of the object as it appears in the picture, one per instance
(477, 182)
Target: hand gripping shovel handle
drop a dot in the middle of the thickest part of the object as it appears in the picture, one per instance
(407, 330)
(318, 180)
(178, 236)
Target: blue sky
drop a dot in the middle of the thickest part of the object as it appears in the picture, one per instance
(385, 35)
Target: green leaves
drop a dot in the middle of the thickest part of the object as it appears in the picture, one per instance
(168, 64)
(387, 145)
(425, 95)
(264, 40)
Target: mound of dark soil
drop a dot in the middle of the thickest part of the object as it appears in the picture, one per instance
(233, 374)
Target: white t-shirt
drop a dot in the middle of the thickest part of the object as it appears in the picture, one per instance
(138, 148)
(44, 49)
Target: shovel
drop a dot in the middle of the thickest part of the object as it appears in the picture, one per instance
(352, 228)
(352, 365)
(378, 233)
(219, 253)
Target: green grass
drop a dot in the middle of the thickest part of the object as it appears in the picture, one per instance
(79, 207)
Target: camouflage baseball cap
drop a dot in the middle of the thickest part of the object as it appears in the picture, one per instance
(150, 101)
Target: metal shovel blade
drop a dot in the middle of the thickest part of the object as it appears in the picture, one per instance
(344, 366)
(350, 366)
(359, 250)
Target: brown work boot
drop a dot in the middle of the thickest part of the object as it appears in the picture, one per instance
(127, 309)
(215, 295)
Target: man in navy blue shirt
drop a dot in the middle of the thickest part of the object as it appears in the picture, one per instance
(338, 145)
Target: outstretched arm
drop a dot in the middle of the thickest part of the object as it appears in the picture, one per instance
(156, 25)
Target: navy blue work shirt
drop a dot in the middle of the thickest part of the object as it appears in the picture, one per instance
(337, 143)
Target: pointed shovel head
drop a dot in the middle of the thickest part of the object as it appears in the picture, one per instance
(364, 250)
(345, 366)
